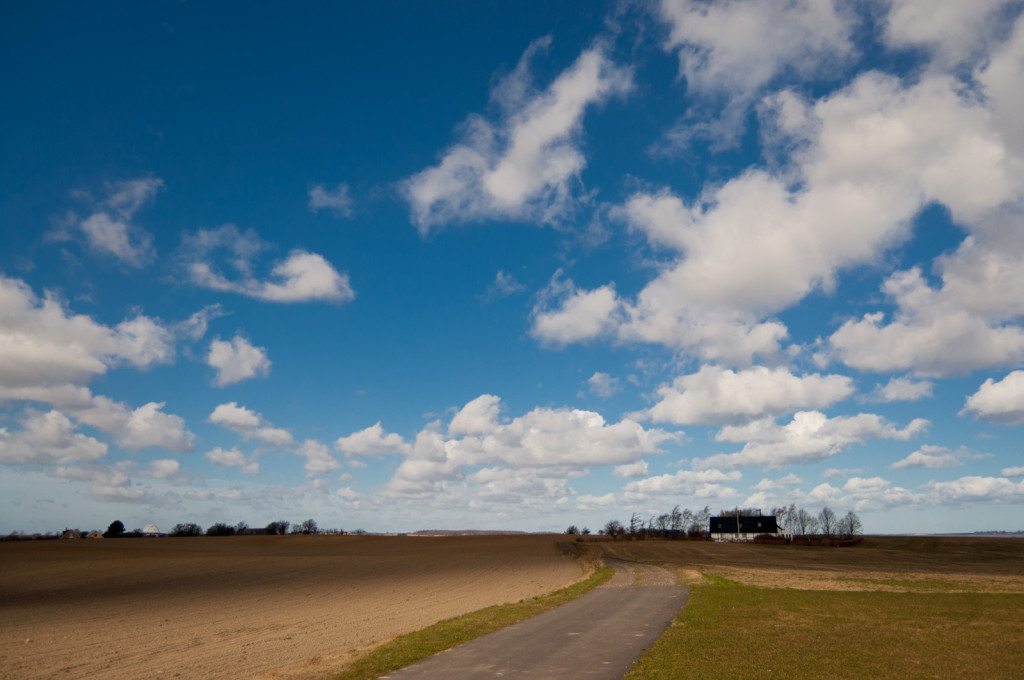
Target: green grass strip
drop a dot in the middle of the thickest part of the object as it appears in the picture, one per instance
(729, 630)
(412, 647)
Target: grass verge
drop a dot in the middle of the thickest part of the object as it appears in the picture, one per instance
(412, 647)
(730, 630)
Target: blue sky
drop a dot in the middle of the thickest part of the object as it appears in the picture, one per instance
(397, 266)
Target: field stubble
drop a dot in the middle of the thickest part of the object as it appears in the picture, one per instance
(247, 607)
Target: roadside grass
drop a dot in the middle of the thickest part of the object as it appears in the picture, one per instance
(731, 630)
(410, 648)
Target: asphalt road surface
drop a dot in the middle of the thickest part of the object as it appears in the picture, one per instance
(597, 636)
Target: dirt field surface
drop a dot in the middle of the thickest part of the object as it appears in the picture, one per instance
(880, 563)
(247, 607)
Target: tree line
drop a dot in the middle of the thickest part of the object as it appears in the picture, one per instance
(794, 522)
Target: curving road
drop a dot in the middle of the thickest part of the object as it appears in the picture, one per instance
(597, 636)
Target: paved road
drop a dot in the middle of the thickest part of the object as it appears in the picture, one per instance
(597, 636)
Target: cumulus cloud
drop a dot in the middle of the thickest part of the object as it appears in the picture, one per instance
(629, 470)
(786, 482)
(953, 31)
(976, 489)
(546, 436)
(565, 314)
(523, 167)
(237, 360)
(728, 57)
(862, 162)
(930, 457)
(48, 437)
(808, 437)
(547, 445)
(998, 402)
(164, 468)
(144, 427)
(714, 395)
(233, 458)
(705, 485)
(338, 200)
(249, 424)
(318, 458)
(301, 277)
(904, 389)
(44, 344)
(373, 441)
(109, 482)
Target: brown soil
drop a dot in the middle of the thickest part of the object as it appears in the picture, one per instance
(899, 564)
(247, 607)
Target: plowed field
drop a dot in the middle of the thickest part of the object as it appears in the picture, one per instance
(247, 607)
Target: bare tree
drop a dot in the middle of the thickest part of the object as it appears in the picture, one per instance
(850, 526)
(675, 521)
(806, 523)
(828, 522)
(701, 521)
(614, 529)
(636, 524)
(573, 530)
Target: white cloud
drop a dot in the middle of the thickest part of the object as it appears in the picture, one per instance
(732, 50)
(109, 229)
(628, 470)
(591, 502)
(504, 285)
(930, 457)
(338, 201)
(548, 445)
(1012, 472)
(789, 480)
(952, 30)
(976, 489)
(546, 436)
(164, 468)
(144, 427)
(998, 402)
(318, 458)
(524, 167)
(904, 389)
(705, 485)
(868, 158)
(478, 416)
(48, 438)
(372, 441)
(301, 277)
(717, 395)
(43, 344)
(603, 385)
(249, 424)
(237, 360)
(808, 437)
(580, 315)
(233, 458)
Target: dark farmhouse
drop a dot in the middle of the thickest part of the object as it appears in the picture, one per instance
(742, 528)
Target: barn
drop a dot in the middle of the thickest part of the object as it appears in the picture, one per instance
(742, 527)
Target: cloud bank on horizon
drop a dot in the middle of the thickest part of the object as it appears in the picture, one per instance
(524, 270)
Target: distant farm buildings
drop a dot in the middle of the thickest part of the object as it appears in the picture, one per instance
(742, 527)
